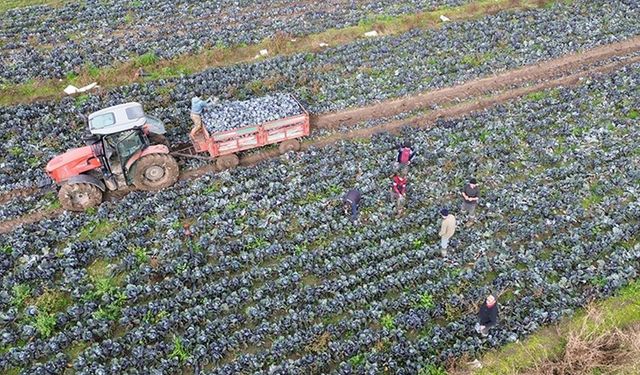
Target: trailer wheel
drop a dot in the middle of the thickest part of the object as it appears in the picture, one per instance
(288, 146)
(79, 196)
(227, 162)
(155, 172)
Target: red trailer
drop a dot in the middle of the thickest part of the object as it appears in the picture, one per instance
(223, 146)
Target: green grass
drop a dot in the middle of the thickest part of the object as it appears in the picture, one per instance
(257, 244)
(81, 100)
(147, 59)
(112, 311)
(536, 96)
(431, 369)
(476, 59)
(591, 200)
(14, 371)
(16, 151)
(75, 350)
(633, 114)
(357, 360)
(140, 254)
(98, 269)
(6, 5)
(179, 351)
(93, 71)
(53, 301)
(96, 230)
(426, 301)
(45, 323)
(20, 294)
(618, 312)
(101, 286)
(388, 322)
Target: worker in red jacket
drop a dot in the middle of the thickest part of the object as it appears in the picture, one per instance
(405, 154)
(399, 189)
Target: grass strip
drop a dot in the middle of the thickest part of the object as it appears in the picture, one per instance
(6, 5)
(551, 343)
(279, 44)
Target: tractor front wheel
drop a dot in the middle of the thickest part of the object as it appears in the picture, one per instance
(79, 196)
(155, 172)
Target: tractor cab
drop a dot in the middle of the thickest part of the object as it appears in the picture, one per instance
(119, 133)
(124, 117)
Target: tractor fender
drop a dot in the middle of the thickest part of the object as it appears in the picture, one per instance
(155, 149)
(87, 179)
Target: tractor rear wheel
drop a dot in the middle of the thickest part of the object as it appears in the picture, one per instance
(288, 146)
(79, 196)
(227, 161)
(155, 172)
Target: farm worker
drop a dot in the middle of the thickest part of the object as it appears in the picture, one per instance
(405, 154)
(399, 189)
(447, 228)
(197, 106)
(351, 202)
(470, 196)
(487, 315)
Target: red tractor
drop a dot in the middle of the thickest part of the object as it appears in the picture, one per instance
(126, 147)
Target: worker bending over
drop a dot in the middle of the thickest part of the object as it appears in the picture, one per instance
(405, 154)
(351, 202)
(399, 190)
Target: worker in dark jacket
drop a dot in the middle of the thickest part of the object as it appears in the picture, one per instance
(487, 316)
(405, 154)
(351, 202)
(470, 197)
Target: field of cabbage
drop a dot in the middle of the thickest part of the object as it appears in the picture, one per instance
(274, 278)
(277, 277)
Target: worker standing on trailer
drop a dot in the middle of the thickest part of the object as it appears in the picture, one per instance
(405, 154)
(197, 107)
(399, 190)
(351, 203)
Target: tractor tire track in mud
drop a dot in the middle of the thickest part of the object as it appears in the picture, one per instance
(11, 195)
(544, 70)
(8, 225)
(458, 101)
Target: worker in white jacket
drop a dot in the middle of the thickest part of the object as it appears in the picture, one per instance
(447, 229)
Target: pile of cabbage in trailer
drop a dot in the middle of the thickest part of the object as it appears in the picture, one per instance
(227, 115)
